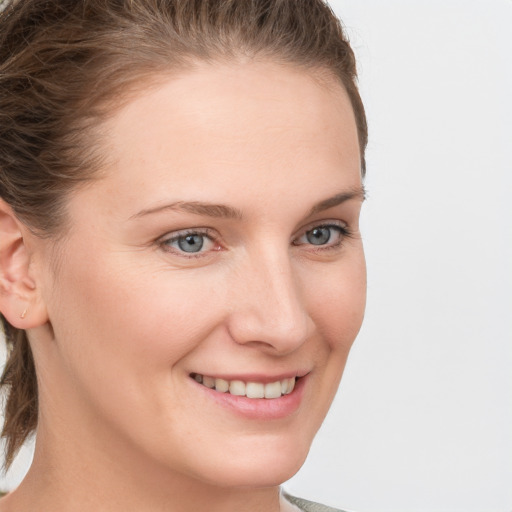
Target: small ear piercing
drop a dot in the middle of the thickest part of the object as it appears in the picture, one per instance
(24, 314)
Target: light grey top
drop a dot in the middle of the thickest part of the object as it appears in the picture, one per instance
(308, 506)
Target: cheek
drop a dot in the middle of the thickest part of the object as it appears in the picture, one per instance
(152, 316)
(128, 357)
(147, 317)
(336, 298)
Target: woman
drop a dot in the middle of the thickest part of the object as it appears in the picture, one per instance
(181, 271)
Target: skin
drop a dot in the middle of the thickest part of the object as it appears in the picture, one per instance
(118, 317)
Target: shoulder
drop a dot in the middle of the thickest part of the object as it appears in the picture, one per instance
(309, 506)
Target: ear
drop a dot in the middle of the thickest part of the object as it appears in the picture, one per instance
(20, 300)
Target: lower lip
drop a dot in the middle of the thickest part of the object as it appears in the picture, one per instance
(258, 408)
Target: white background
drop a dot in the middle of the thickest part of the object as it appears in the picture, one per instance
(423, 420)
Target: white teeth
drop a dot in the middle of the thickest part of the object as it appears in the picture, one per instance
(273, 390)
(287, 386)
(255, 390)
(249, 389)
(291, 385)
(209, 382)
(221, 385)
(237, 387)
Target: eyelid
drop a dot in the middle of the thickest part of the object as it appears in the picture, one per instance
(323, 224)
(174, 235)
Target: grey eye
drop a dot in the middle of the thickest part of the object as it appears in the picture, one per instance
(319, 236)
(191, 243)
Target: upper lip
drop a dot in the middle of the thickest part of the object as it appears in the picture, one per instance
(255, 377)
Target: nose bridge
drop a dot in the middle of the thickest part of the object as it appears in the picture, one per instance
(269, 307)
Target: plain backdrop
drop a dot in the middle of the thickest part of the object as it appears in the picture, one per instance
(423, 419)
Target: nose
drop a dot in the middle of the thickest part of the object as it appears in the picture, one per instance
(267, 308)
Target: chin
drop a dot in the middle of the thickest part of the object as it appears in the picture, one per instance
(255, 476)
(257, 467)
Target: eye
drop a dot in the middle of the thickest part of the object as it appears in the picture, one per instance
(330, 235)
(319, 236)
(189, 242)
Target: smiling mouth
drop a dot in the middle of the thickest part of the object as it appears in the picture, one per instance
(248, 389)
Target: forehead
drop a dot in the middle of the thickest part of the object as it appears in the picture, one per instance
(254, 124)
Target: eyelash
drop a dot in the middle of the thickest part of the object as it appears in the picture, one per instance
(343, 231)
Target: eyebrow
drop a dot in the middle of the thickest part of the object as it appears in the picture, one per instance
(355, 193)
(197, 207)
(224, 211)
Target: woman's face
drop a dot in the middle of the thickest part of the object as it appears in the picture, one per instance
(220, 244)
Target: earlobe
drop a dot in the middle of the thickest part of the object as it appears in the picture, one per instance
(20, 301)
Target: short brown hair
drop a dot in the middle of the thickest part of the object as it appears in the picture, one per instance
(62, 62)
